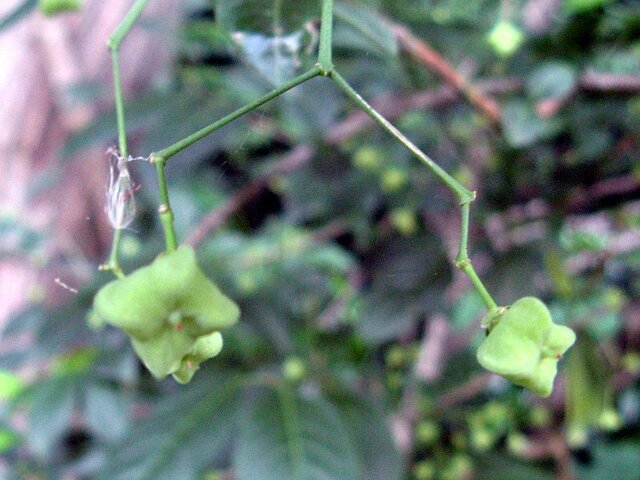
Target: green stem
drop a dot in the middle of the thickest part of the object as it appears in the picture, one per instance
(289, 411)
(463, 262)
(177, 147)
(119, 98)
(164, 210)
(112, 264)
(115, 40)
(326, 34)
(126, 25)
(463, 195)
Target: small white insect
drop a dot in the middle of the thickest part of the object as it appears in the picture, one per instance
(121, 203)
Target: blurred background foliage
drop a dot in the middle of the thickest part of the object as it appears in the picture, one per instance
(355, 354)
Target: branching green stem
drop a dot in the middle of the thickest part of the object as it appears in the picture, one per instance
(177, 147)
(325, 68)
(126, 25)
(164, 210)
(115, 40)
(464, 263)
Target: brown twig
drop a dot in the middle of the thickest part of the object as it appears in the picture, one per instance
(291, 162)
(468, 390)
(426, 55)
(610, 82)
(590, 81)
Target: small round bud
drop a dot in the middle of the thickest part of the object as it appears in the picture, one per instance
(610, 420)
(393, 179)
(294, 369)
(424, 470)
(367, 159)
(10, 385)
(505, 38)
(395, 357)
(517, 443)
(427, 433)
(404, 221)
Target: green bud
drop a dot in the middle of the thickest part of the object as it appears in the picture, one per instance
(53, 7)
(395, 357)
(524, 345)
(539, 416)
(505, 38)
(8, 440)
(460, 467)
(367, 159)
(427, 433)
(171, 311)
(404, 221)
(610, 420)
(393, 179)
(482, 439)
(517, 443)
(10, 385)
(424, 470)
(294, 369)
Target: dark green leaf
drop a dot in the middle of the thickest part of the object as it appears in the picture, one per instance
(523, 127)
(287, 437)
(368, 428)
(364, 29)
(107, 411)
(181, 436)
(52, 406)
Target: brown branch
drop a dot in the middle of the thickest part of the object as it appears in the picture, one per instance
(291, 162)
(426, 55)
(468, 390)
(591, 81)
(610, 82)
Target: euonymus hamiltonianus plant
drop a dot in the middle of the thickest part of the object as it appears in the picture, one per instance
(174, 314)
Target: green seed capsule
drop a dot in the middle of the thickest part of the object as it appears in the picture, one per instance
(524, 345)
(171, 311)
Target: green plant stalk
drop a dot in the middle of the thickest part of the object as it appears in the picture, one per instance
(177, 147)
(112, 264)
(164, 210)
(325, 60)
(114, 42)
(126, 24)
(291, 427)
(464, 263)
(464, 196)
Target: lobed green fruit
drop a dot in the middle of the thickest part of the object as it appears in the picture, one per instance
(172, 312)
(524, 345)
(53, 7)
